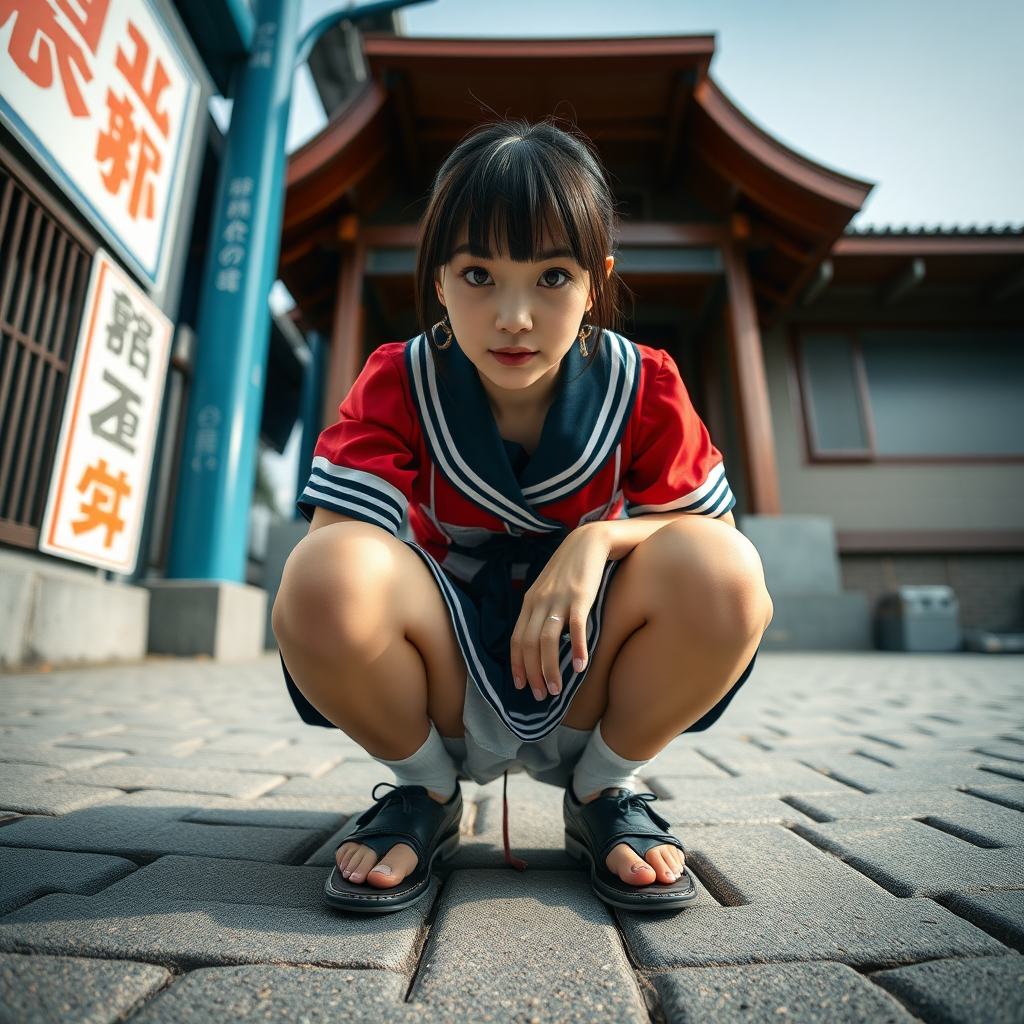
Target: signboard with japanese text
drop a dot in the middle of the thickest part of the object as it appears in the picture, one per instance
(100, 478)
(102, 95)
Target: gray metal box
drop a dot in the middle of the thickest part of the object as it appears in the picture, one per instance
(920, 619)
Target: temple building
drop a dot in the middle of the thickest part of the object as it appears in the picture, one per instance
(874, 379)
(865, 387)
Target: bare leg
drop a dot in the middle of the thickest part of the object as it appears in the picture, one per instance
(683, 617)
(367, 638)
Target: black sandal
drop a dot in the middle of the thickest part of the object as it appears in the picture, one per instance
(593, 830)
(408, 814)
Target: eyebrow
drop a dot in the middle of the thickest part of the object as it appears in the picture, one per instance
(485, 254)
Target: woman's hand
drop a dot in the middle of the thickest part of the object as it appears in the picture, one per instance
(560, 597)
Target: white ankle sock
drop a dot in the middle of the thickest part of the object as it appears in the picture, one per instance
(600, 767)
(431, 766)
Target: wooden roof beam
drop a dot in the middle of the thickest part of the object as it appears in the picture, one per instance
(1008, 285)
(681, 94)
(902, 285)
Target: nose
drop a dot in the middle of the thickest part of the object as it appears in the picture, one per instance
(513, 315)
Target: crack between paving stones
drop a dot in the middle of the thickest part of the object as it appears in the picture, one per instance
(998, 930)
(965, 835)
(798, 805)
(717, 884)
(869, 871)
(1007, 773)
(423, 942)
(829, 774)
(1014, 805)
(647, 989)
(875, 758)
(884, 742)
(717, 763)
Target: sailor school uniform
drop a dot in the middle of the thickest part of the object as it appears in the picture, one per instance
(484, 516)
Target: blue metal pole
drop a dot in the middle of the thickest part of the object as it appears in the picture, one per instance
(211, 520)
(310, 409)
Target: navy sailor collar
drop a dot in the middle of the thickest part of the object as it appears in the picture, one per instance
(581, 430)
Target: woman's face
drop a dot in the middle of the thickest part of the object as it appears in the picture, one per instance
(515, 321)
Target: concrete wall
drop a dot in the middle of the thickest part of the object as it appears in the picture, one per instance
(51, 613)
(953, 496)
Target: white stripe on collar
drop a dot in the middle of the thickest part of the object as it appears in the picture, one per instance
(607, 430)
(447, 454)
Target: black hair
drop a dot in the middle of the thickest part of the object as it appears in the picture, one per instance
(504, 184)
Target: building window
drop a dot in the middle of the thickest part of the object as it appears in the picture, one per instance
(912, 393)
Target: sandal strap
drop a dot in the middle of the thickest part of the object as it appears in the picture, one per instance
(407, 814)
(626, 817)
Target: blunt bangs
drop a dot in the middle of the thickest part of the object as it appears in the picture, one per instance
(515, 186)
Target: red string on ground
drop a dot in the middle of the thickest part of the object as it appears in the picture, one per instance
(515, 862)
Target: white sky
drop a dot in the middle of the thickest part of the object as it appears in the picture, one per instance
(924, 97)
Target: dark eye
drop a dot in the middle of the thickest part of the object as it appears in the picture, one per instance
(553, 278)
(476, 276)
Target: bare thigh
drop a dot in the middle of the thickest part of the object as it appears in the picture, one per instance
(368, 639)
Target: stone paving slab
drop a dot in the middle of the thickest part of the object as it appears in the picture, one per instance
(35, 789)
(349, 778)
(526, 947)
(763, 777)
(910, 858)
(1009, 794)
(729, 810)
(137, 742)
(180, 780)
(989, 990)
(193, 912)
(45, 989)
(52, 756)
(536, 827)
(785, 901)
(29, 874)
(1000, 913)
(286, 761)
(298, 995)
(814, 993)
(913, 803)
(145, 833)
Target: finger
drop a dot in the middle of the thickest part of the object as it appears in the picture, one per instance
(550, 637)
(531, 659)
(578, 633)
(515, 651)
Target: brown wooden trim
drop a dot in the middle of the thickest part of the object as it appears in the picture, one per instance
(391, 236)
(346, 331)
(744, 337)
(22, 536)
(384, 49)
(663, 233)
(929, 245)
(823, 182)
(895, 541)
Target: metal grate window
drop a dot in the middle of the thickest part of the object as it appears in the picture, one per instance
(44, 271)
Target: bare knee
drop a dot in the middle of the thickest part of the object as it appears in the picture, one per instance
(710, 575)
(336, 589)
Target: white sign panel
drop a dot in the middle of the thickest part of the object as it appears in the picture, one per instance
(100, 93)
(100, 478)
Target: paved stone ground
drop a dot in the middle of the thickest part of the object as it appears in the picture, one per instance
(856, 823)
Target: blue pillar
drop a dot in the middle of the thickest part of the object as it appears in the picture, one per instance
(211, 519)
(310, 409)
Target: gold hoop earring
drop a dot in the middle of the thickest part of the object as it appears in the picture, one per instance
(583, 337)
(447, 328)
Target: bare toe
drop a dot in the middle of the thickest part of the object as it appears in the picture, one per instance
(622, 861)
(399, 862)
(664, 868)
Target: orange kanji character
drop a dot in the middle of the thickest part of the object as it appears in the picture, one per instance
(135, 72)
(37, 31)
(114, 144)
(89, 20)
(149, 160)
(104, 506)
